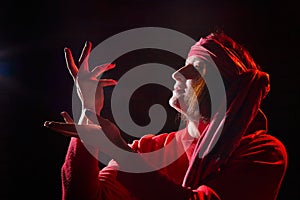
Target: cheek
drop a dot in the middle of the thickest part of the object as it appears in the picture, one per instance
(190, 88)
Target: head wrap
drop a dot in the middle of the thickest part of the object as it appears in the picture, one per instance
(247, 86)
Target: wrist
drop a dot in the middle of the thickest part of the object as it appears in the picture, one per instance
(83, 119)
(91, 107)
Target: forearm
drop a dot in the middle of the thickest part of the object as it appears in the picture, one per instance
(80, 170)
(79, 173)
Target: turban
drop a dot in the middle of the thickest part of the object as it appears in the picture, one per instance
(246, 86)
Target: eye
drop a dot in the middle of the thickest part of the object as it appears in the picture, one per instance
(197, 64)
(200, 67)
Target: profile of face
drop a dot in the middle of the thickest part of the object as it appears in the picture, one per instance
(186, 79)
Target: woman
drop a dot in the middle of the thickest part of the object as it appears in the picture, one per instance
(226, 156)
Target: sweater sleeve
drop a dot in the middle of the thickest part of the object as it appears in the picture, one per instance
(79, 173)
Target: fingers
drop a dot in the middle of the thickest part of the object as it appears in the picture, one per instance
(70, 63)
(67, 117)
(63, 128)
(72, 130)
(102, 68)
(83, 59)
(83, 64)
(107, 82)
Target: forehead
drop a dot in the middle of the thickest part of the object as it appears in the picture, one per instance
(189, 72)
(195, 61)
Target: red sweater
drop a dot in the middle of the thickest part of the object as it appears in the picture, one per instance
(255, 171)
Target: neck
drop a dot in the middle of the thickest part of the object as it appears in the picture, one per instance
(195, 129)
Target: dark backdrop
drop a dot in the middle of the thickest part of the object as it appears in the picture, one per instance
(35, 85)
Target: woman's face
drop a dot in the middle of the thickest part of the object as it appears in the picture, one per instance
(185, 79)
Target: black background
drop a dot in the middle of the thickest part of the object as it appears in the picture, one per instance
(35, 85)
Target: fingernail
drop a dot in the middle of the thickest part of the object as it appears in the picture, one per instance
(47, 123)
(111, 65)
(86, 43)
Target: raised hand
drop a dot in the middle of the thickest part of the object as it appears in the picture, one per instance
(89, 87)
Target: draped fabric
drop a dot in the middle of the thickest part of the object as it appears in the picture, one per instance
(247, 87)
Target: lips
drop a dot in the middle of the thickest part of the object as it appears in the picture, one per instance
(178, 88)
(178, 92)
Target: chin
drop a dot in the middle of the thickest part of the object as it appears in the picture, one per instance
(182, 108)
(174, 103)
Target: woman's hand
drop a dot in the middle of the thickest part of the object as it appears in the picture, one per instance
(89, 87)
(91, 131)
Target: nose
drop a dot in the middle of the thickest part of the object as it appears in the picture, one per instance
(186, 72)
(178, 76)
